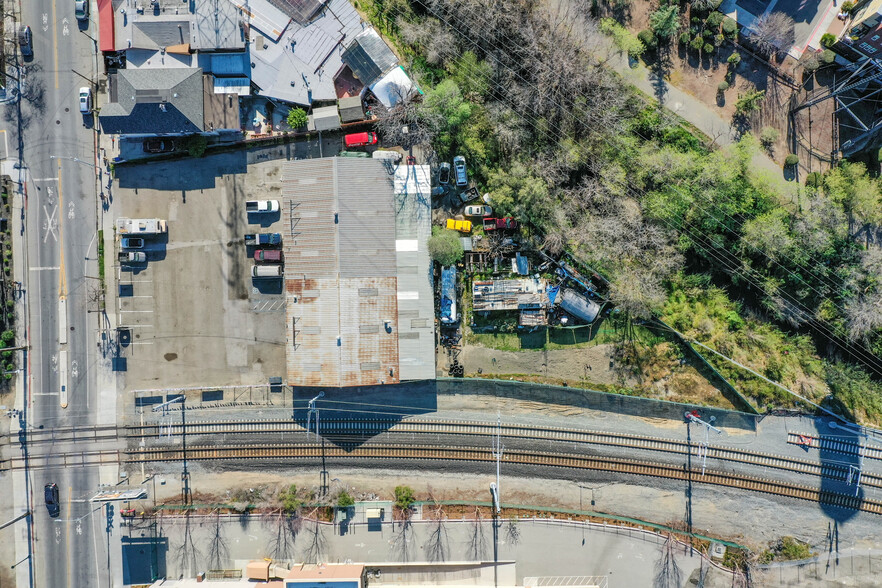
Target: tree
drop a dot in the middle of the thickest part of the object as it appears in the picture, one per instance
(296, 118)
(749, 102)
(196, 145)
(404, 497)
(407, 123)
(448, 110)
(344, 500)
(665, 22)
(768, 136)
(289, 500)
(705, 5)
(859, 195)
(445, 246)
(772, 33)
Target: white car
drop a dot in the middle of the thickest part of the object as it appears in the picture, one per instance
(478, 210)
(85, 100)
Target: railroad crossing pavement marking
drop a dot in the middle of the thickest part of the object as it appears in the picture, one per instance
(50, 224)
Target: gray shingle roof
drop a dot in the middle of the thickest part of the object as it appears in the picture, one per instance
(369, 57)
(154, 101)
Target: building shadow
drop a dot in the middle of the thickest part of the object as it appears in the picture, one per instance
(181, 174)
(349, 417)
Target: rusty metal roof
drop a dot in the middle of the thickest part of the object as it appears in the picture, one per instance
(340, 273)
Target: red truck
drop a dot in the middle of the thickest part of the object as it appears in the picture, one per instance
(269, 255)
(500, 224)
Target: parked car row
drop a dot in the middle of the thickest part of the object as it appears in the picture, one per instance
(129, 254)
(267, 254)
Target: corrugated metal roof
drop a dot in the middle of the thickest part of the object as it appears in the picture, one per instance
(369, 57)
(300, 10)
(416, 303)
(340, 273)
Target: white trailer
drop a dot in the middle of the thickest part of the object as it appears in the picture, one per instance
(141, 226)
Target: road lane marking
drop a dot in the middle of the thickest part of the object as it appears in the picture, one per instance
(5, 144)
(51, 224)
(124, 310)
(63, 276)
(69, 567)
(45, 393)
(43, 268)
(55, 40)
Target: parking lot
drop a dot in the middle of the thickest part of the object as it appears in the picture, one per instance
(193, 315)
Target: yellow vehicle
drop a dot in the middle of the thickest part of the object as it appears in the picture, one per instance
(462, 226)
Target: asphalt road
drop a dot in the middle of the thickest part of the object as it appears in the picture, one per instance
(56, 145)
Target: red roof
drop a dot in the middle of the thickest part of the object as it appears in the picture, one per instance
(105, 25)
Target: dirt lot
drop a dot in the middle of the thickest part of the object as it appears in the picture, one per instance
(195, 315)
(700, 77)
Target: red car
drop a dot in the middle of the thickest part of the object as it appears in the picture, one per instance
(493, 224)
(268, 255)
(360, 139)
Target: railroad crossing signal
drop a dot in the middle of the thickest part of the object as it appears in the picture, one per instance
(313, 411)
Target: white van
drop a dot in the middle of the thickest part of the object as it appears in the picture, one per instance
(266, 271)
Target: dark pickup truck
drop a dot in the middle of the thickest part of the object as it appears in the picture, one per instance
(263, 239)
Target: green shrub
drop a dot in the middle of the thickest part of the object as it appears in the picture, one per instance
(792, 159)
(404, 497)
(749, 102)
(622, 37)
(722, 86)
(196, 145)
(814, 180)
(708, 48)
(7, 337)
(715, 19)
(810, 62)
(297, 118)
(707, 33)
(734, 59)
(848, 7)
(769, 135)
(718, 40)
(344, 500)
(289, 500)
(648, 38)
(684, 38)
(444, 246)
(730, 27)
(695, 20)
(828, 56)
(827, 40)
(697, 43)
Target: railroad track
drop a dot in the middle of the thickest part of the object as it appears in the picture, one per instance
(472, 454)
(358, 431)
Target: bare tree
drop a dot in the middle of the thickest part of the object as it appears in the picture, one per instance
(512, 532)
(438, 43)
(402, 543)
(218, 551)
(667, 572)
(772, 33)
(189, 558)
(477, 547)
(864, 315)
(407, 123)
(283, 529)
(436, 544)
(315, 537)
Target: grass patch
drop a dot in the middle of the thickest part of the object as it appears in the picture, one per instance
(786, 549)
(101, 257)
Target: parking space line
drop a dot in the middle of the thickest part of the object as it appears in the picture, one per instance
(123, 310)
(141, 343)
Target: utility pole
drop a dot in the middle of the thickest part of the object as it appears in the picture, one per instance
(694, 417)
(498, 450)
(313, 411)
(185, 474)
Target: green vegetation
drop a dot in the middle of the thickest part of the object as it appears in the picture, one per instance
(297, 118)
(792, 159)
(787, 549)
(749, 102)
(344, 500)
(768, 136)
(444, 246)
(648, 38)
(101, 257)
(622, 37)
(196, 145)
(702, 238)
(404, 497)
(289, 501)
(665, 22)
(827, 40)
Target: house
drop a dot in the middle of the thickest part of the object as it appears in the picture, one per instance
(155, 102)
(368, 56)
(865, 36)
(296, 51)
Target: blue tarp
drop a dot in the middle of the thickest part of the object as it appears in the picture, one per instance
(552, 294)
(448, 295)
